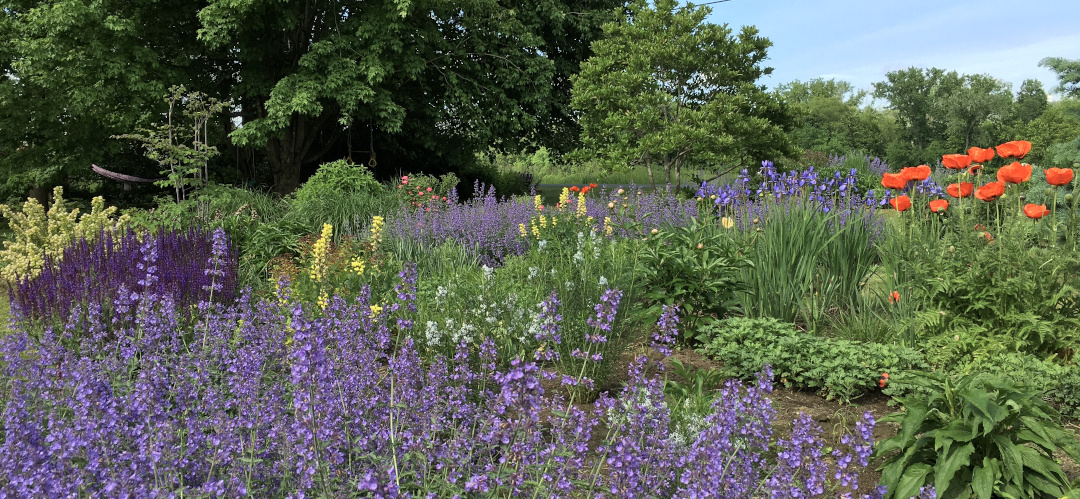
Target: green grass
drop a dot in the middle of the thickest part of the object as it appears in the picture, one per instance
(5, 308)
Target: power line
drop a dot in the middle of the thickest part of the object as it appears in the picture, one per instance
(714, 1)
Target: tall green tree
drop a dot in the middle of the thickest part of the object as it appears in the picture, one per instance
(1031, 101)
(833, 117)
(914, 94)
(424, 80)
(74, 73)
(665, 89)
(1068, 72)
(971, 108)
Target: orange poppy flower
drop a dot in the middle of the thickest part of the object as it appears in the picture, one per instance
(1014, 173)
(960, 190)
(894, 297)
(1035, 211)
(956, 161)
(592, 186)
(1014, 149)
(893, 180)
(901, 203)
(974, 168)
(981, 155)
(991, 191)
(574, 188)
(1058, 176)
(920, 173)
(938, 205)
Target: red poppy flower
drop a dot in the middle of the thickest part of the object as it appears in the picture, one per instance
(894, 297)
(1035, 211)
(960, 190)
(938, 205)
(592, 186)
(981, 155)
(1014, 173)
(901, 203)
(1058, 176)
(893, 180)
(991, 191)
(920, 173)
(956, 161)
(574, 188)
(1014, 149)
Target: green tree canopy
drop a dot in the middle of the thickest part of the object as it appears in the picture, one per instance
(664, 88)
(833, 117)
(1068, 72)
(426, 83)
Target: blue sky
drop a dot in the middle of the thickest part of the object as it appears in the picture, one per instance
(861, 40)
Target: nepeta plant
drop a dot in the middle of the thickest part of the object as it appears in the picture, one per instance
(288, 399)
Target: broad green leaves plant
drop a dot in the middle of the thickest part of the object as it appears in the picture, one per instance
(974, 436)
(696, 267)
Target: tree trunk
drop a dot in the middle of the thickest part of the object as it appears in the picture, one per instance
(293, 148)
(648, 167)
(41, 195)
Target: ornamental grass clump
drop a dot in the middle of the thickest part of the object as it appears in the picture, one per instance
(96, 274)
(282, 400)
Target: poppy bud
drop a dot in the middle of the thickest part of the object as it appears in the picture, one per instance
(1048, 191)
(700, 246)
(952, 249)
(653, 232)
(610, 205)
(1068, 197)
(956, 337)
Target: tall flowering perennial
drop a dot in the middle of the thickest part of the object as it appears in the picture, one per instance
(188, 267)
(38, 235)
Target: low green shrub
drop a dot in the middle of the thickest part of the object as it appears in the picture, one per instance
(840, 369)
(697, 267)
(1059, 384)
(974, 436)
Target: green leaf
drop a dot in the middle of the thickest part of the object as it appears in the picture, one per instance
(1010, 455)
(983, 479)
(957, 458)
(913, 479)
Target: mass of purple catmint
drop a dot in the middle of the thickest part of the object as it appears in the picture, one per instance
(187, 266)
(489, 226)
(271, 399)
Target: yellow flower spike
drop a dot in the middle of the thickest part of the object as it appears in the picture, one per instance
(564, 198)
(543, 222)
(535, 229)
(537, 203)
(581, 205)
(375, 310)
(358, 266)
(607, 226)
(524, 231)
(727, 223)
